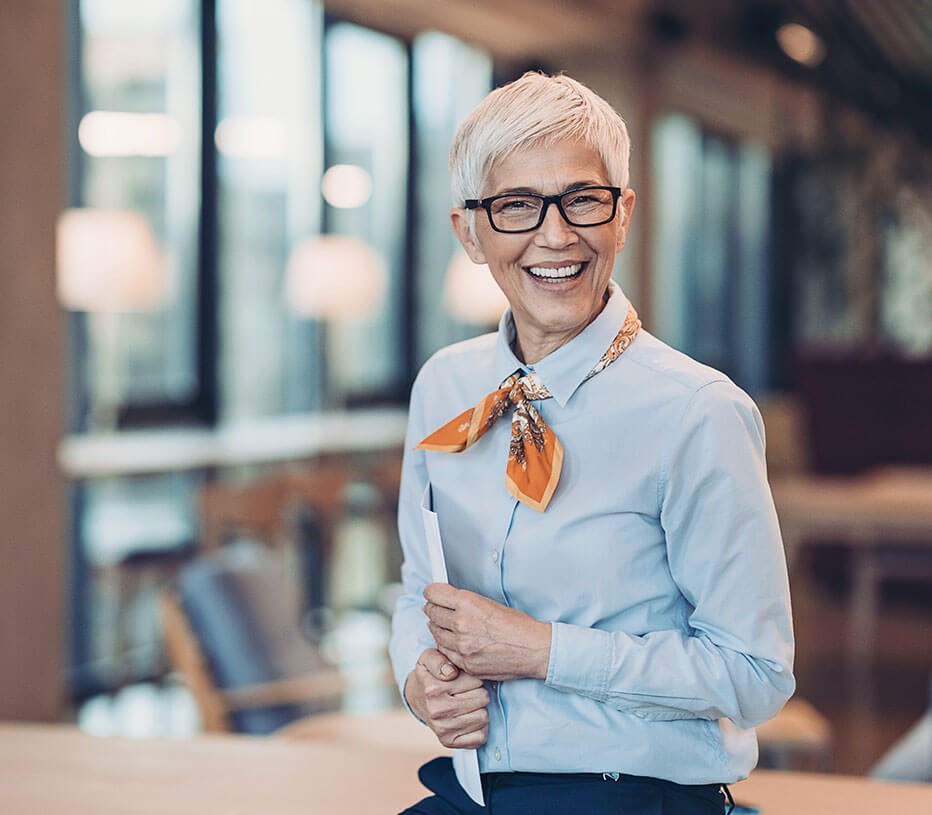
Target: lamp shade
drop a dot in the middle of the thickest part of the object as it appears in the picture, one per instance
(471, 293)
(335, 277)
(108, 260)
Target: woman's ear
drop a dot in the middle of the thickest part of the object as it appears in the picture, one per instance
(460, 222)
(626, 209)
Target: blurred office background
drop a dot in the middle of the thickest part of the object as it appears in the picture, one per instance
(226, 252)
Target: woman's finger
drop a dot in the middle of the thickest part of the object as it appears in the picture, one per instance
(437, 665)
(439, 615)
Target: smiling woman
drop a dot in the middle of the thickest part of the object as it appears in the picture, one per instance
(623, 594)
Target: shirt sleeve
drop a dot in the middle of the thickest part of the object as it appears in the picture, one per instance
(733, 656)
(410, 635)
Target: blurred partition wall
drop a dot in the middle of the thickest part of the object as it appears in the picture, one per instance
(32, 386)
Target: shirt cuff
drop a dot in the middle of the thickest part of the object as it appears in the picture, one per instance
(404, 700)
(580, 659)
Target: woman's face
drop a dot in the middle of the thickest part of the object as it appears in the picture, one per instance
(549, 310)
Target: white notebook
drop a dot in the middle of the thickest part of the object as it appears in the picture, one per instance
(465, 762)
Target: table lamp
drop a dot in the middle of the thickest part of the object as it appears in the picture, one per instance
(108, 264)
(335, 279)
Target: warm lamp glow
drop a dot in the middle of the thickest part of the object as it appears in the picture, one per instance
(471, 294)
(346, 186)
(801, 44)
(334, 277)
(108, 260)
(252, 137)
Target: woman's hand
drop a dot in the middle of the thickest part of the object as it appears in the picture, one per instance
(452, 703)
(485, 638)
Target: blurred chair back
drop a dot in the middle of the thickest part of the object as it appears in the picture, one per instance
(865, 410)
(233, 623)
(232, 630)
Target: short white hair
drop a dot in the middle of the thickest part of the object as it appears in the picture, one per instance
(535, 110)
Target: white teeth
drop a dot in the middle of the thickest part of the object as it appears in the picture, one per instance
(553, 274)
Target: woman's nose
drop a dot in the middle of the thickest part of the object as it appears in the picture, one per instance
(555, 231)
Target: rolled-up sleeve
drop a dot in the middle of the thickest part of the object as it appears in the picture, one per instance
(733, 656)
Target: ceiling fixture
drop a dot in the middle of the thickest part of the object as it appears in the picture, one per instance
(106, 133)
(801, 44)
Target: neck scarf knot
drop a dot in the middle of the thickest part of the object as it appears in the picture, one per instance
(535, 455)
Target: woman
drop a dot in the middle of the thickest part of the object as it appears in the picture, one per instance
(617, 617)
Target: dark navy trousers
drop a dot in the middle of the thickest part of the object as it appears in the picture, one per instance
(564, 794)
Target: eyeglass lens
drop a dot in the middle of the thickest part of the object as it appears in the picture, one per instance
(585, 207)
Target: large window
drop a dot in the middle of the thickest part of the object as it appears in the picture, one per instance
(241, 131)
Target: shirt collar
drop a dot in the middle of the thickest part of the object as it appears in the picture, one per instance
(565, 369)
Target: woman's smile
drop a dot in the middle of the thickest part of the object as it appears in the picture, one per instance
(556, 273)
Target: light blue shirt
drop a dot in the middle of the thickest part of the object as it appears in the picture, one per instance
(658, 561)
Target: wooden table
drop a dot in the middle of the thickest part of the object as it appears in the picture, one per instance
(885, 518)
(57, 770)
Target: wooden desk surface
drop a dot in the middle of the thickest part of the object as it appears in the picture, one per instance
(57, 770)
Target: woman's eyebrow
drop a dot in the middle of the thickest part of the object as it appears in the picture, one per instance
(518, 191)
(530, 190)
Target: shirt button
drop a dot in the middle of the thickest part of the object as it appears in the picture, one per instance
(498, 755)
(494, 557)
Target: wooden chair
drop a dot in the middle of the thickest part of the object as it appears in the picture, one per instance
(258, 509)
(216, 705)
(294, 676)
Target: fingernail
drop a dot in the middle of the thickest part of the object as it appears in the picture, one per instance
(446, 669)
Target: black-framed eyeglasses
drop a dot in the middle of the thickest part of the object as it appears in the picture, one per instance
(525, 212)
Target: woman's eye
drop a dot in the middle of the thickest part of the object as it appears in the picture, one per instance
(582, 201)
(515, 205)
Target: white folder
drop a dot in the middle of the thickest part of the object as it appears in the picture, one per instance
(465, 762)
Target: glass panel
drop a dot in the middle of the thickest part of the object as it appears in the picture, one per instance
(450, 79)
(712, 276)
(269, 142)
(677, 151)
(366, 115)
(711, 249)
(139, 135)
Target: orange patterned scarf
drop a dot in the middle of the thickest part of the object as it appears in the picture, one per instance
(535, 456)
